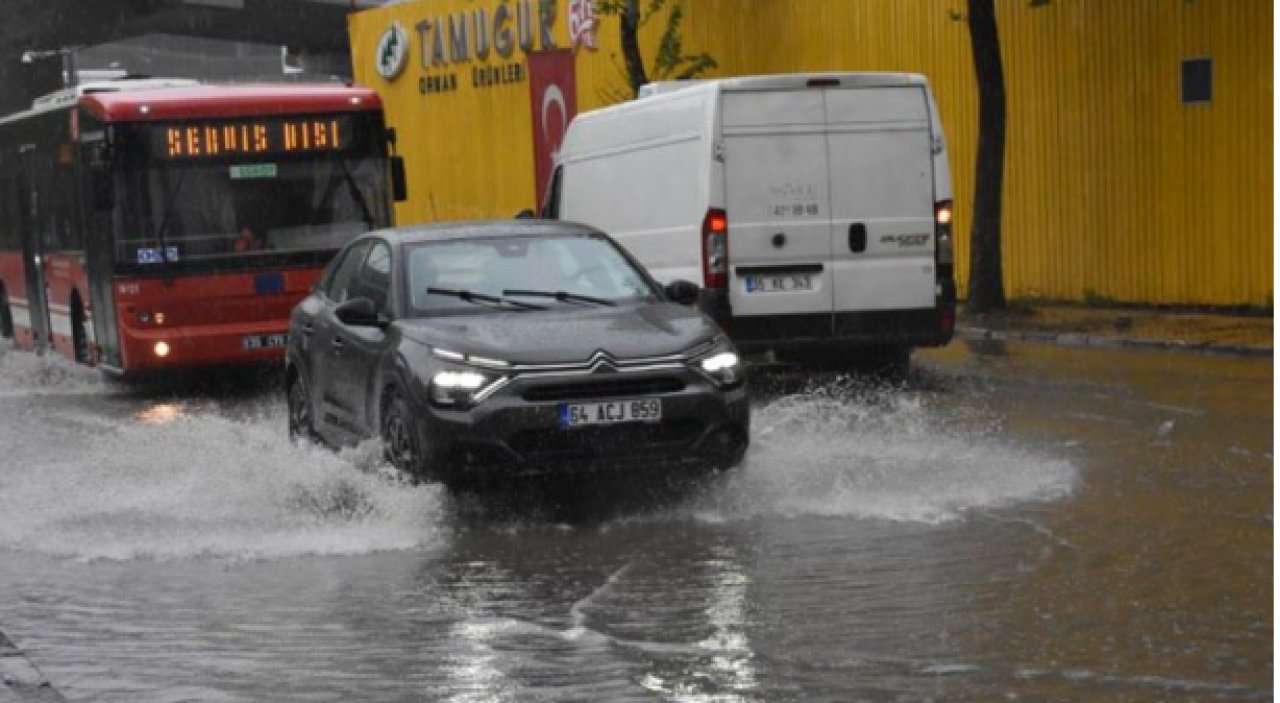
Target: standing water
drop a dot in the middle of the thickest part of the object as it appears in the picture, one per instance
(1017, 525)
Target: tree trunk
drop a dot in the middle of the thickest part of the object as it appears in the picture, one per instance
(631, 46)
(986, 272)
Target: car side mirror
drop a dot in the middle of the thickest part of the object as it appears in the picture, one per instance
(683, 292)
(399, 183)
(360, 312)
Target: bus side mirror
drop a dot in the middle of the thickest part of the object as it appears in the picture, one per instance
(399, 185)
(102, 188)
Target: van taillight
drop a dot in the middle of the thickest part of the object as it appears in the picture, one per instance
(715, 249)
(942, 210)
(942, 214)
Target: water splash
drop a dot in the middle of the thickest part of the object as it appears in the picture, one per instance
(27, 373)
(203, 485)
(846, 451)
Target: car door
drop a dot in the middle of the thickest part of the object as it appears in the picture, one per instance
(356, 350)
(333, 413)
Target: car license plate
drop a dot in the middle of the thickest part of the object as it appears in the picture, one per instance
(265, 341)
(779, 283)
(583, 414)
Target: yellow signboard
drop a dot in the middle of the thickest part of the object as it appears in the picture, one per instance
(1114, 188)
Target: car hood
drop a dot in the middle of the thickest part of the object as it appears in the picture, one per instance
(566, 336)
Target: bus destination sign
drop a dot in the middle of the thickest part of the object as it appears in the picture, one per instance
(234, 138)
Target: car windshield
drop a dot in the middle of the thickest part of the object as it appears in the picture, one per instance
(549, 271)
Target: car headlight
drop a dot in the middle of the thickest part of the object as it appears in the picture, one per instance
(457, 389)
(724, 367)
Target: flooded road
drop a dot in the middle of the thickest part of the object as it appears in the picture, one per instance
(1016, 522)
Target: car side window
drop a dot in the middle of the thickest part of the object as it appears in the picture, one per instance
(326, 279)
(374, 280)
(339, 289)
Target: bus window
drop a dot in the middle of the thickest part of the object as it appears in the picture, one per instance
(226, 209)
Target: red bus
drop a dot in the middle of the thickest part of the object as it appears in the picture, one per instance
(156, 225)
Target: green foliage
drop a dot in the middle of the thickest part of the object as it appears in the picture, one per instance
(670, 61)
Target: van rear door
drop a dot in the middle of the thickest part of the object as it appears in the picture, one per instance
(778, 201)
(881, 165)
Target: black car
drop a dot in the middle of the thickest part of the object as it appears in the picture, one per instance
(498, 349)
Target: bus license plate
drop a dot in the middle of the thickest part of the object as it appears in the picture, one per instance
(265, 341)
(781, 283)
(611, 413)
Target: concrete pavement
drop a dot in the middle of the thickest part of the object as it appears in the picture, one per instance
(1085, 326)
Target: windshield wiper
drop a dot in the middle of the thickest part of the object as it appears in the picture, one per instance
(356, 193)
(481, 298)
(171, 207)
(562, 296)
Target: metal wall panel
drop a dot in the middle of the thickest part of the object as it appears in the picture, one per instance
(1114, 190)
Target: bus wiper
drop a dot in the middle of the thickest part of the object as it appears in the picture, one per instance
(161, 232)
(356, 193)
(562, 296)
(481, 298)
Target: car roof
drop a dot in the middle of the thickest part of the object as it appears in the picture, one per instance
(454, 231)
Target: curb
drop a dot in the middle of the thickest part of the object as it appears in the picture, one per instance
(1075, 339)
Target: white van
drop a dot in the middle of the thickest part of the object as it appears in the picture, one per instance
(814, 209)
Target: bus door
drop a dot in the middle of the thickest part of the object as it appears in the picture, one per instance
(98, 207)
(32, 195)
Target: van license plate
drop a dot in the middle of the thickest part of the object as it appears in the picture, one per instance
(582, 414)
(780, 283)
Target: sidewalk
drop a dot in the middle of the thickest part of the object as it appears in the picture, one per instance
(1083, 326)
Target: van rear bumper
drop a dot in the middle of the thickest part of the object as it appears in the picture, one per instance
(925, 327)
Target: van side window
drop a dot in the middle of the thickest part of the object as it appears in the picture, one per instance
(551, 207)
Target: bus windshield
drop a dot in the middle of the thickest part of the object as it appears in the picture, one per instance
(246, 209)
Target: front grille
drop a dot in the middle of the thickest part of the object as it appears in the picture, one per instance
(627, 440)
(603, 388)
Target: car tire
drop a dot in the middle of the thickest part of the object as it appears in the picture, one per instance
(401, 445)
(301, 421)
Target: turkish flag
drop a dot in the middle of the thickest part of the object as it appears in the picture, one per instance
(553, 88)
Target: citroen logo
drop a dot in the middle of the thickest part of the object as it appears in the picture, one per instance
(602, 361)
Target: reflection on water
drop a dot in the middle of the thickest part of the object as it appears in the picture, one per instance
(161, 413)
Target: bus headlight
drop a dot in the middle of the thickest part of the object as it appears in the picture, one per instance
(162, 349)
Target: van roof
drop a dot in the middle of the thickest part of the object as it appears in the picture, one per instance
(676, 110)
(788, 81)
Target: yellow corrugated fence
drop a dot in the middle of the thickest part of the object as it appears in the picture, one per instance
(1114, 189)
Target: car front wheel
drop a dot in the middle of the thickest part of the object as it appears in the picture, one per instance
(400, 442)
(300, 422)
